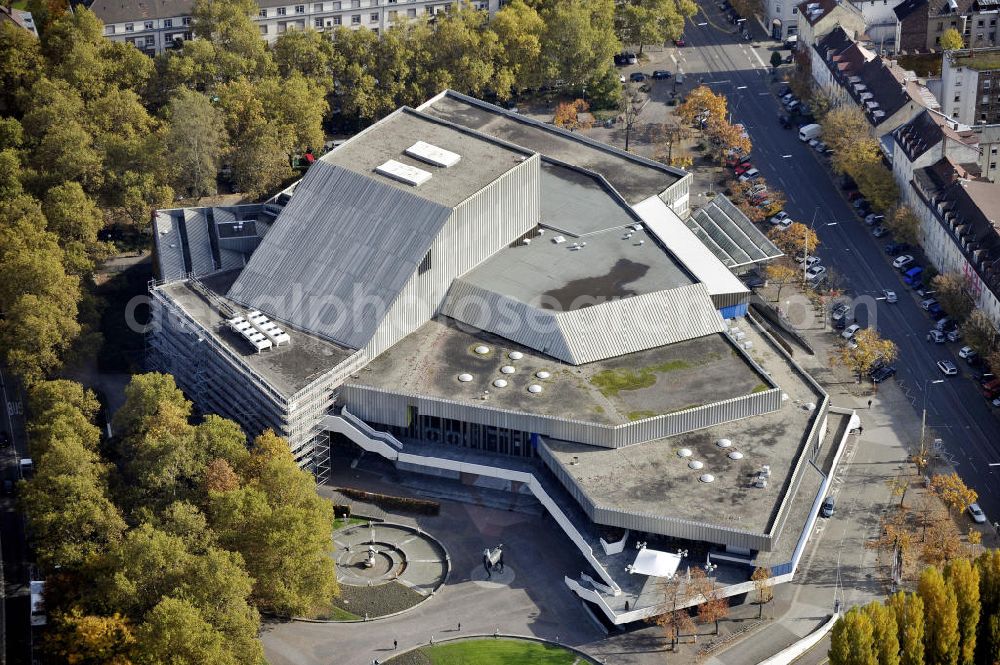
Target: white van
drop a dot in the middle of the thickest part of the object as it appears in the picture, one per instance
(809, 132)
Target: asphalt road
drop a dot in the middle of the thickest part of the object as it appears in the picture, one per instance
(16, 624)
(955, 409)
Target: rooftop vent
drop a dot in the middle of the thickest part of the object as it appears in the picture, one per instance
(432, 154)
(515, 355)
(411, 175)
(482, 349)
(465, 378)
(508, 369)
(684, 452)
(695, 464)
(735, 454)
(543, 374)
(724, 443)
(707, 478)
(559, 240)
(534, 388)
(500, 383)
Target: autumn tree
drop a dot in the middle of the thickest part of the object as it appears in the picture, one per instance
(728, 139)
(885, 635)
(567, 115)
(941, 540)
(963, 577)
(89, 638)
(701, 101)
(908, 610)
(764, 586)
(988, 639)
(951, 489)
(951, 289)
(904, 225)
(980, 332)
(794, 239)
(896, 537)
(643, 22)
(941, 631)
(519, 31)
(951, 39)
(665, 137)
(748, 8)
(845, 126)
(715, 606)
(869, 349)
(781, 276)
(76, 220)
(852, 639)
(195, 140)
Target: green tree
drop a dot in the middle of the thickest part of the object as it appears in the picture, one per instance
(775, 59)
(519, 31)
(10, 174)
(76, 220)
(951, 39)
(176, 632)
(852, 640)
(259, 146)
(952, 291)
(941, 632)
(904, 225)
(305, 52)
(195, 141)
(963, 578)
(980, 332)
(298, 105)
(21, 66)
(238, 49)
(908, 610)
(282, 528)
(988, 640)
(579, 39)
(885, 635)
(146, 397)
(643, 22)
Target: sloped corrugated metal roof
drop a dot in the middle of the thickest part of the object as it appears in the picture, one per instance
(339, 254)
(728, 233)
(168, 247)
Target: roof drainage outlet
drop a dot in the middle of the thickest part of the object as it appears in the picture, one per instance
(707, 478)
(684, 452)
(534, 388)
(500, 383)
(508, 369)
(465, 378)
(482, 350)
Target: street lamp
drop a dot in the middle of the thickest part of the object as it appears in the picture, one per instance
(805, 247)
(923, 416)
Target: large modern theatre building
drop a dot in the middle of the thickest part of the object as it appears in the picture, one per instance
(486, 299)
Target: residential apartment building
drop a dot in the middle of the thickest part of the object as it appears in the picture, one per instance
(158, 25)
(920, 23)
(782, 18)
(820, 18)
(936, 165)
(970, 86)
(849, 73)
(18, 17)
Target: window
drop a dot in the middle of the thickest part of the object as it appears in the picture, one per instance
(186, 21)
(263, 13)
(263, 29)
(986, 99)
(168, 23)
(109, 29)
(282, 11)
(300, 9)
(150, 40)
(373, 18)
(318, 7)
(795, 10)
(980, 23)
(777, 9)
(940, 26)
(425, 265)
(129, 27)
(356, 19)
(993, 150)
(955, 115)
(147, 25)
(355, 4)
(317, 23)
(993, 165)
(336, 20)
(392, 15)
(958, 98)
(987, 83)
(411, 13)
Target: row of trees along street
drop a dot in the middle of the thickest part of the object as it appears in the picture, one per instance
(166, 543)
(94, 134)
(953, 618)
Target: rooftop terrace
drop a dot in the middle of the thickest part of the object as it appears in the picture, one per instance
(615, 391)
(289, 367)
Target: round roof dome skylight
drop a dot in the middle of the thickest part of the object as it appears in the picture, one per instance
(543, 374)
(500, 383)
(508, 369)
(695, 464)
(515, 355)
(465, 378)
(735, 454)
(684, 452)
(482, 349)
(534, 388)
(707, 478)
(724, 443)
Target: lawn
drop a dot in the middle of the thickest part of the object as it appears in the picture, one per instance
(342, 522)
(494, 652)
(980, 61)
(611, 381)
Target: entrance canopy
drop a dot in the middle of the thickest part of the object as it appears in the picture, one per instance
(655, 563)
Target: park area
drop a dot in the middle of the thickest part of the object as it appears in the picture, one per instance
(490, 652)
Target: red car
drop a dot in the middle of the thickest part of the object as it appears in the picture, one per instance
(742, 168)
(680, 42)
(734, 161)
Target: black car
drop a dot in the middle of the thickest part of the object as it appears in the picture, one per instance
(882, 373)
(785, 121)
(637, 77)
(661, 74)
(784, 90)
(896, 248)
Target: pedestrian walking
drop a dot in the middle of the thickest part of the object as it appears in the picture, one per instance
(869, 404)
(460, 626)
(394, 645)
(432, 640)
(860, 429)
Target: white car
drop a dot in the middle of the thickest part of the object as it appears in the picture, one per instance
(851, 331)
(977, 514)
(780, 218)
(890, 296)
(811, 261)
(965, 352)
(743, 130)
(752, 174)
(947, 367)
(815, 272)
(902, 261)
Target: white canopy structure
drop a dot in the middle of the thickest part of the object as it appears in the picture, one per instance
(655, 563)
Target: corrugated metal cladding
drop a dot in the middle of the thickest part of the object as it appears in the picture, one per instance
(734, 311)
(654, 523)
(795, 477)
(608, 330)
(479, 227)
(169, 252)
(339, 254)
(723, 300)
(199, 243)
(390, 408)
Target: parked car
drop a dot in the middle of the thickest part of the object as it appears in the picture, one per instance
(896, 248)
(882, 373)
(660, 74)
(965, 351)
(937, 312)
(854, 194)
(913, 275)
(840, 311)
(976, 513)
(890, 296)
(742, 167)
(945, 324)
(936, 336)
(947, 367)
(874, 219)
(637, 77)
(8, 487)
(954, 335)
(861, 203)
(926, 304)
(820, 147)
(851, 331)
(680, 41)
(879, 231)
(780, 219)
(902, 261)
(815, 272)
(750, 174)
(974, 359)
(828, 507)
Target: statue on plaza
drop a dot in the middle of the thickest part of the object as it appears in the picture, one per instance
(493, 560)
